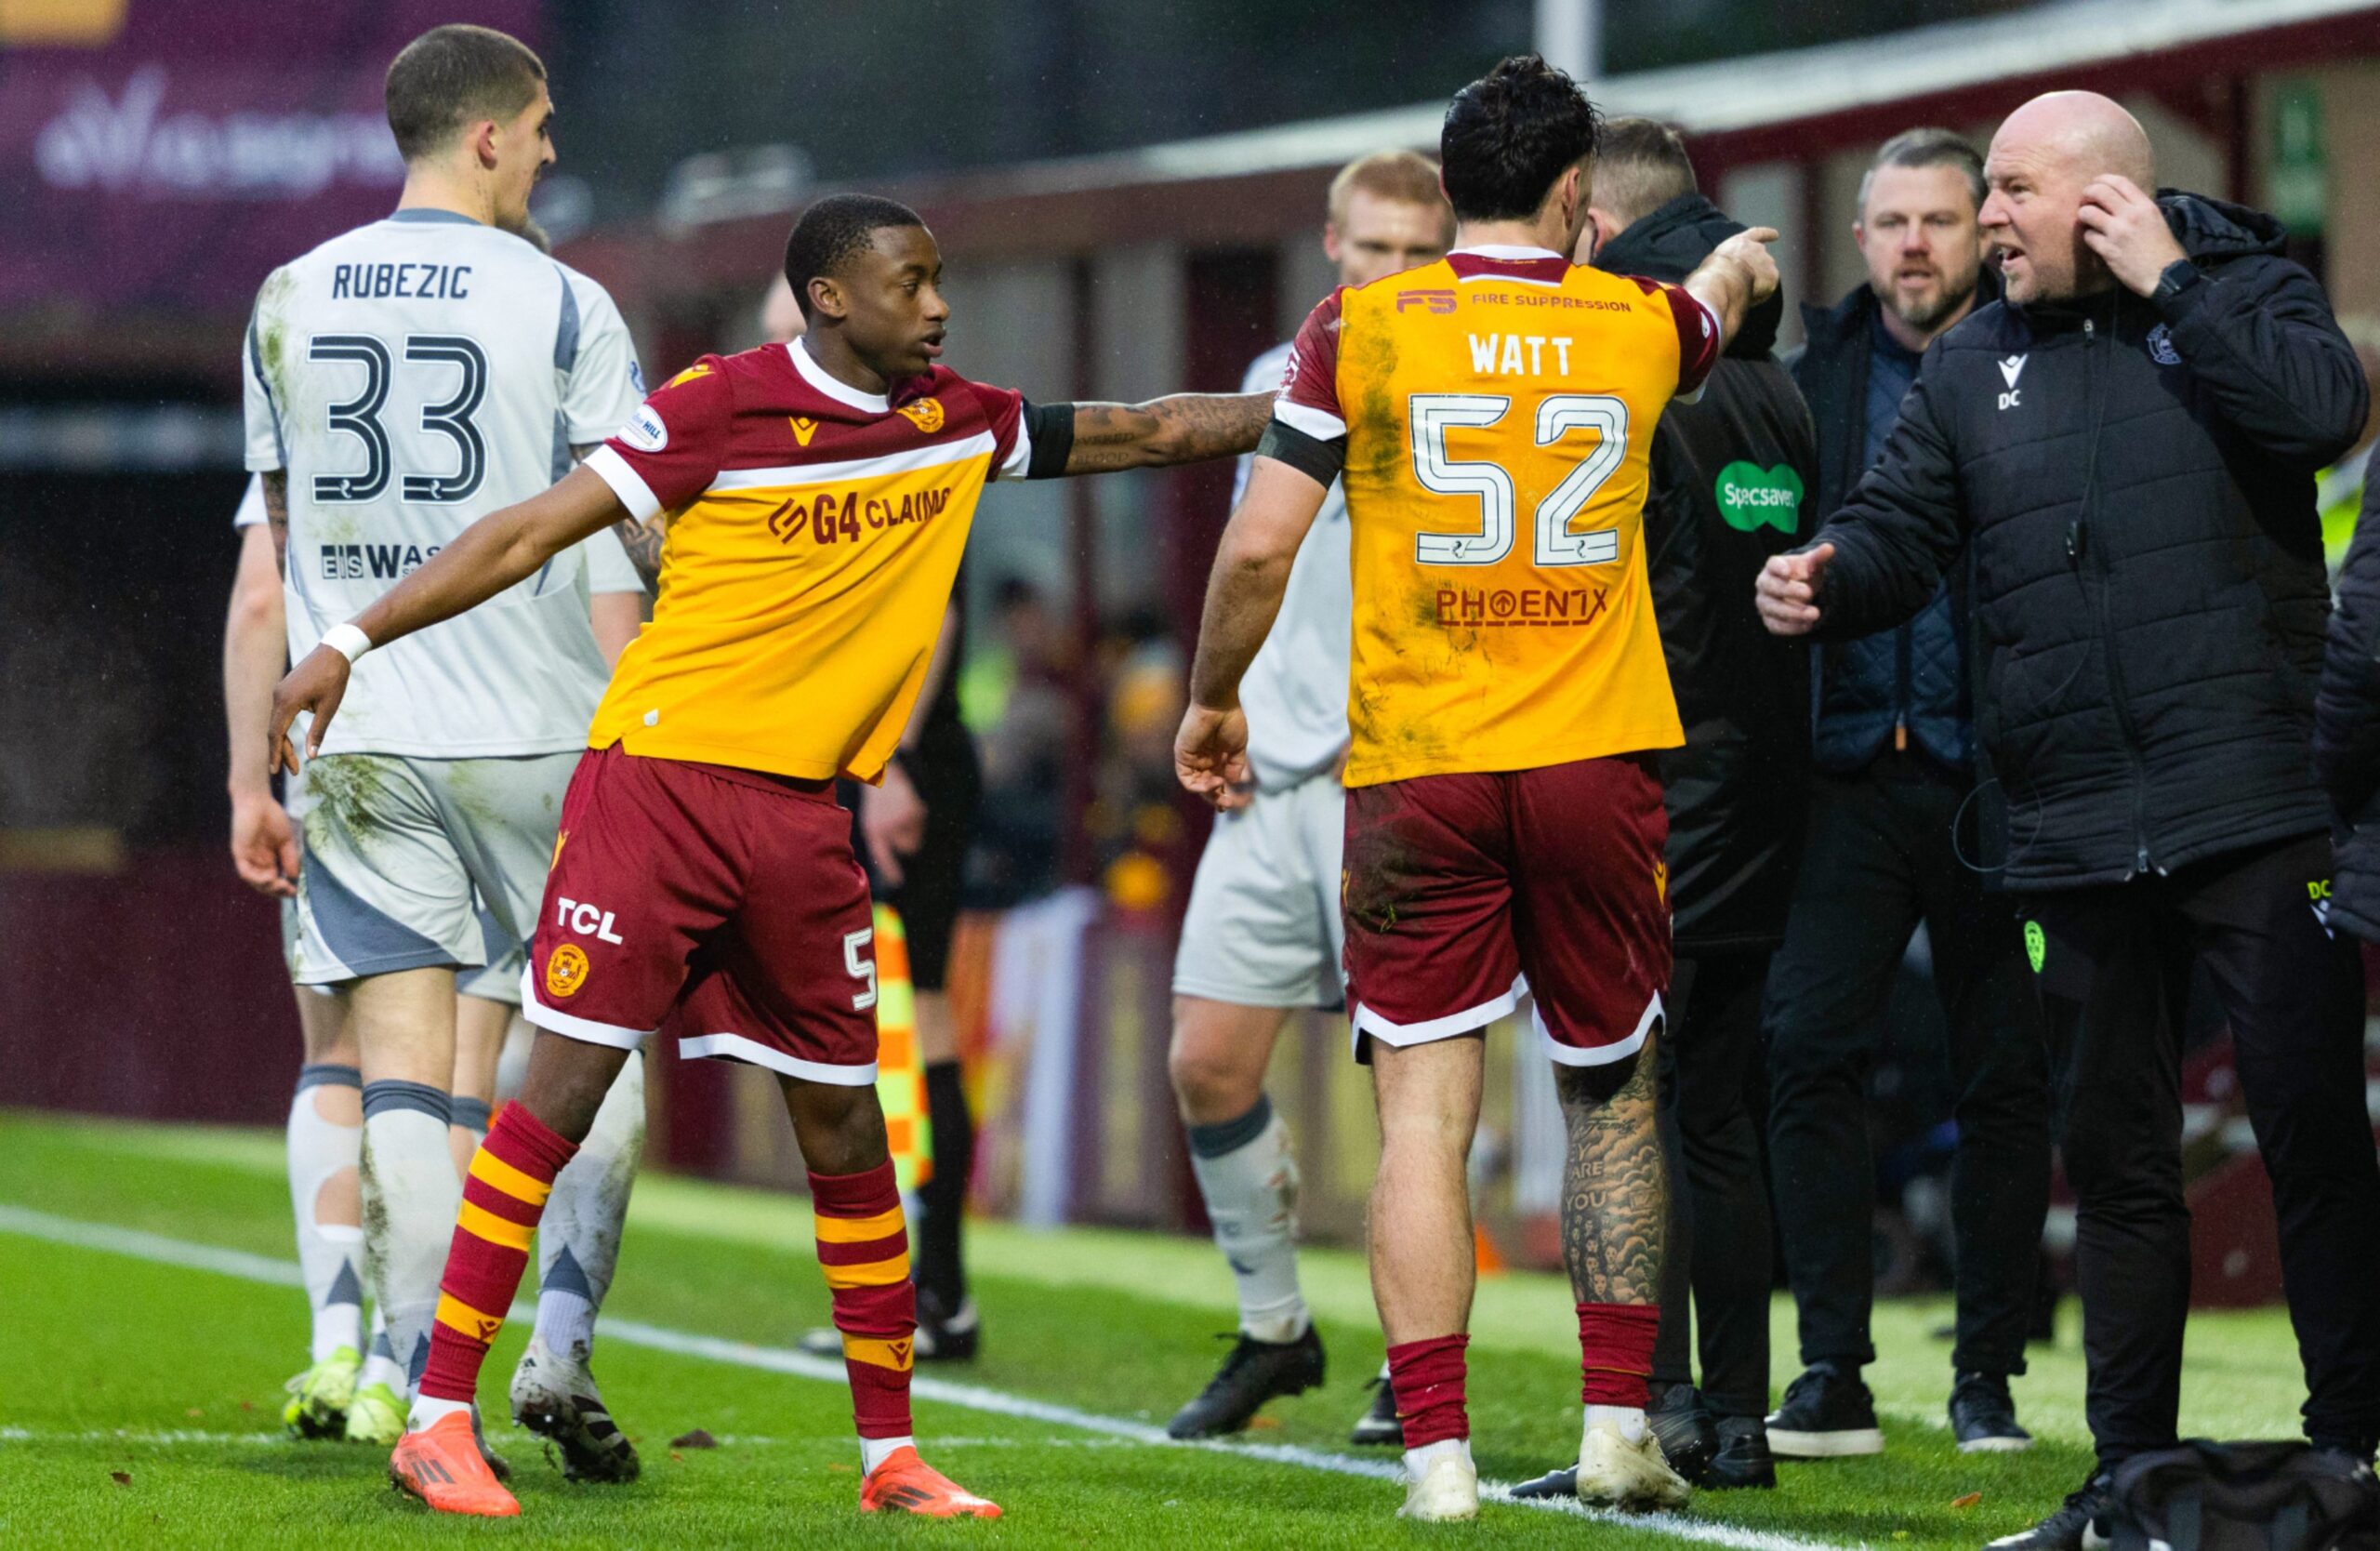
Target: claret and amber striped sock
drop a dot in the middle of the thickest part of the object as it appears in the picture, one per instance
(503, 1195)
(863, 1249)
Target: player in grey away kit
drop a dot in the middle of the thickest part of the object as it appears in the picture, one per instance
(403, 380)
(1262, 937)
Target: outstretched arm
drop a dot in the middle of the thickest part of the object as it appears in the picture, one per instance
(1186, 428)
(1243, 594)
(1739, 273)
(500, 548)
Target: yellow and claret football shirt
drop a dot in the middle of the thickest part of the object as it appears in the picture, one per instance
(1496, 412)
(813, 534)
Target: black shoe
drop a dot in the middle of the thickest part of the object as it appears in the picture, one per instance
(940, 1338)
(2071, 1527)
(1828, 1414)
(1983, 1416)
(1741, 1459)
(1688, 1435)
(1255, 1372)
(1379, 1424)
(1553, 1483)
(947, 1336)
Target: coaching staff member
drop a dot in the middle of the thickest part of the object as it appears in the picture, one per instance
(2128, 441)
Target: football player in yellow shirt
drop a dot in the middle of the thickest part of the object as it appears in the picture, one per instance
(1490, 418)
(817, 496)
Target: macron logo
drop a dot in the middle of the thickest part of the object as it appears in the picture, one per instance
(2010, 370)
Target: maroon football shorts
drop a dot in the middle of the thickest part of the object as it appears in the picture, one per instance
(727, 896)
(1465, 894)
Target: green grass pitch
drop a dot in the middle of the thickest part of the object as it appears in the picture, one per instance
(140, 1399)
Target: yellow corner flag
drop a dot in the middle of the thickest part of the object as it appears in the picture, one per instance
(900, 1068)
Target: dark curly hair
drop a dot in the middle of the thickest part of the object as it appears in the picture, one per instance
(831, 231)
(1510, 135)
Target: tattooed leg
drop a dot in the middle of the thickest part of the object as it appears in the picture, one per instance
(1615, 1185)
(1421, 1260)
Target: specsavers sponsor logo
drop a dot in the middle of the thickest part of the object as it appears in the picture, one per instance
(1752, 497)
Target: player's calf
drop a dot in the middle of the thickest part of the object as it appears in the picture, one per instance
(863, 1249)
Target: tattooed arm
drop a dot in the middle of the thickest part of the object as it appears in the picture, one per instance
(643, 542)
(1185, 427)
(1615, 1189)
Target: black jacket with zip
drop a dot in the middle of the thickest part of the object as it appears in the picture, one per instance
(2136, 480)
(1734, 793)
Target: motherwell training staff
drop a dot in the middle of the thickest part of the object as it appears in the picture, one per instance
(2128, 441)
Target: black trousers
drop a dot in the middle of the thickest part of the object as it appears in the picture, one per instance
(2115, 967)
(1879, 859)
(1719, 1231)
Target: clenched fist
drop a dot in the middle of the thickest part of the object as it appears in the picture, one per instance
(1788, 591)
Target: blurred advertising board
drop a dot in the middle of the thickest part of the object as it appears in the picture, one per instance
(166, 154)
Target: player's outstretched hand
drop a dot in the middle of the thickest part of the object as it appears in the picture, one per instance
(1210, 755)
(317, 684)
(264, 844)
(1788, 591)
(1750, 248)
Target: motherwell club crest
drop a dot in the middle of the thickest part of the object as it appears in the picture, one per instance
(926, 415)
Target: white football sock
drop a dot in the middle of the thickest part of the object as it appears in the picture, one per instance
(1250, 1182)
(874, 1452)
(1627, 1419)
(381, 1364)
(426, 1412)
(330, 1254)
(411, 1194)
(578, 1238)
(1418, 1461)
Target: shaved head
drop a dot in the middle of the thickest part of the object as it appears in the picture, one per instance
(2046, 155)
(2095, 130)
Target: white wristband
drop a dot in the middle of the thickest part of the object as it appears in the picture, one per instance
(346, 641)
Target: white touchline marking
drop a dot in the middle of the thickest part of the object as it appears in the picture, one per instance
(161, 1250)
(141, 1437)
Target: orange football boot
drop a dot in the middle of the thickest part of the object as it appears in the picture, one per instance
(908, 1482)
(442, 1465)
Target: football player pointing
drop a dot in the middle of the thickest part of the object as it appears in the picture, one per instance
(817, 496)
(1489, 418)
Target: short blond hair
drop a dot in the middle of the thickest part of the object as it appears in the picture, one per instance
(1405, 175)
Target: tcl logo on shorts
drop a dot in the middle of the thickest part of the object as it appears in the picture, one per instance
(587, 920)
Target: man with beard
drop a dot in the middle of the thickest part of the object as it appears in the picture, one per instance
(1890, 846)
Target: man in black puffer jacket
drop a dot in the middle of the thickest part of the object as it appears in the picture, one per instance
(1730, 477)
(2128, 444)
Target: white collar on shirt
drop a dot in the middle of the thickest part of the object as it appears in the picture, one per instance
(1507, 250)
(825, 383)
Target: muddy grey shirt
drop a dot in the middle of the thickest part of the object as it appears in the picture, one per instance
(1295, 693)
(411, 376)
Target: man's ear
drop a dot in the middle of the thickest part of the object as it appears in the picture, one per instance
(1330, 241)
(1600, 228)
(482, 137)
(826, 299)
